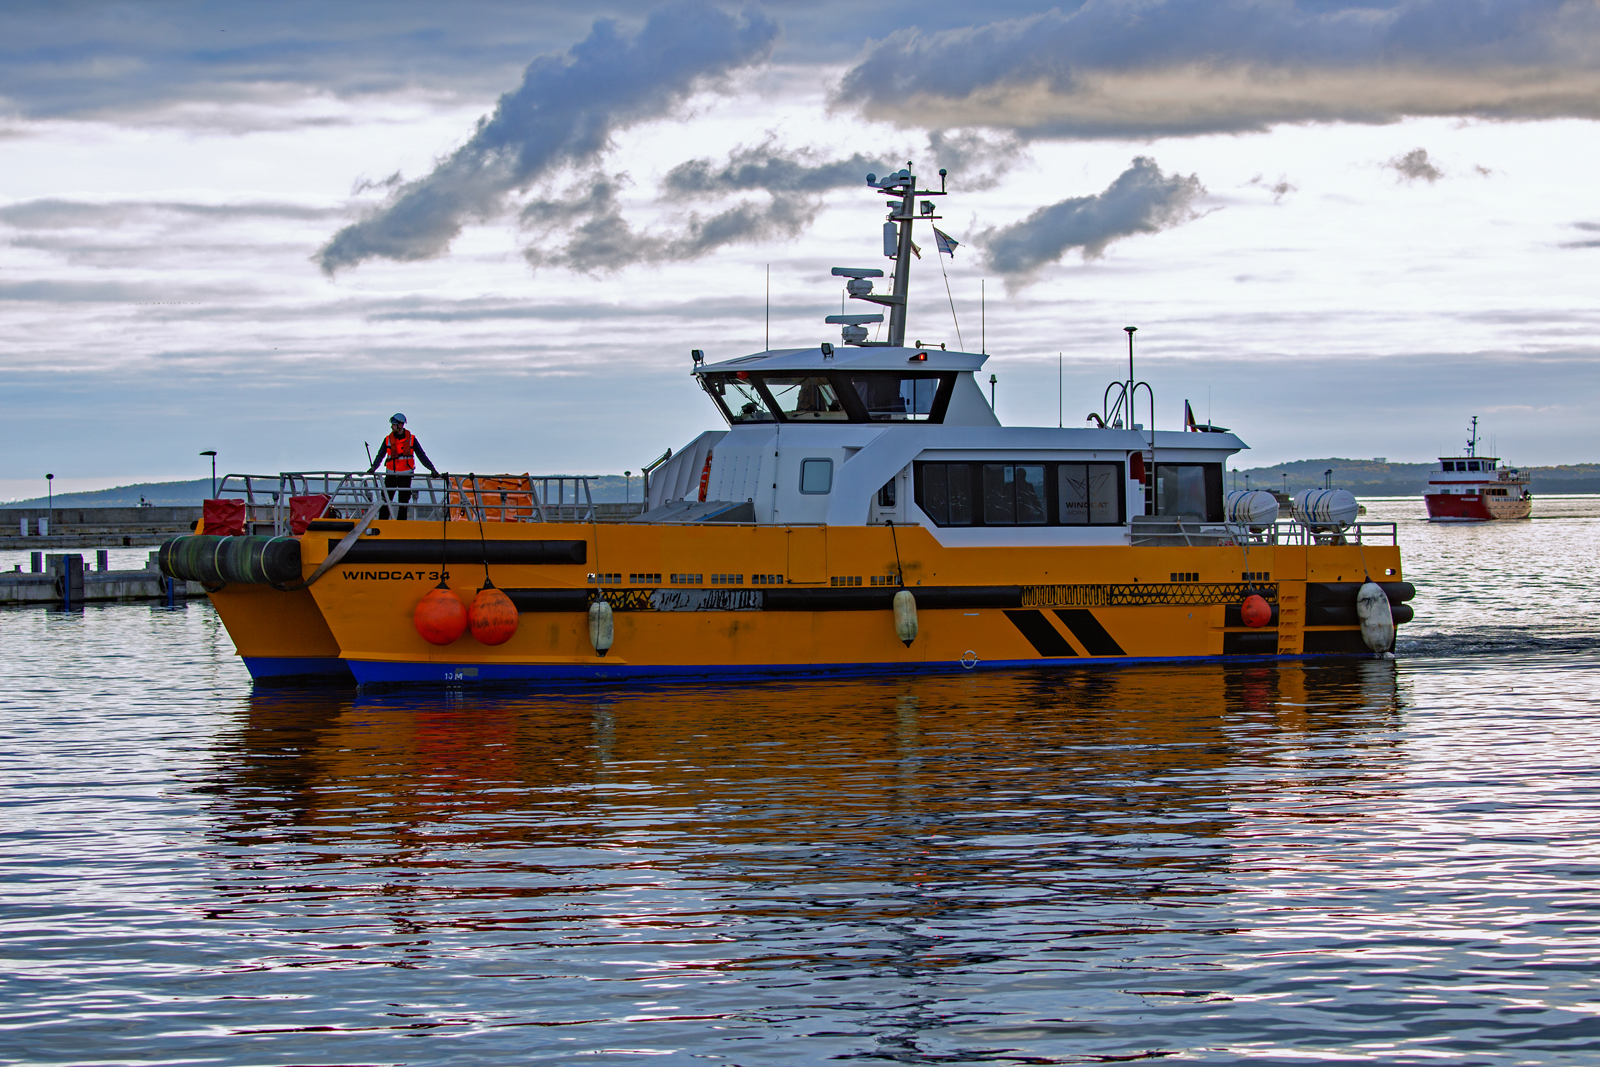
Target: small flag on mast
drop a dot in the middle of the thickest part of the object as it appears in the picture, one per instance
(1188, 417)
(915, 250)
(946, 243)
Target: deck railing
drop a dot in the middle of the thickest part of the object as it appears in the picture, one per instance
(1161, 531)
(463, 497)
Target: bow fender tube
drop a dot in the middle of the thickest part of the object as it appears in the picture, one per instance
(1377, 620)
(905, 617)
(600, 631)
(243, 559)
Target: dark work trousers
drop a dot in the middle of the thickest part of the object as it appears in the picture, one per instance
(401, 482)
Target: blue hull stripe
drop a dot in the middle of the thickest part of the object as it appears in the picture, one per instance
(324, 667)
(374, 672)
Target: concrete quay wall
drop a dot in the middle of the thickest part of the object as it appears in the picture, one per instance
(23, 587)
(94, 527)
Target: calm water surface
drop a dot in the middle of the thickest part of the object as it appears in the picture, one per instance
(1360, 862)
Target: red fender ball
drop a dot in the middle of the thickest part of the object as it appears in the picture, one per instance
(440, 617)
(493, 617)
(1255, 612)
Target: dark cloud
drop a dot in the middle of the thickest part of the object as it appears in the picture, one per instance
(976, 159)
(1414, 166)
(131, 61)
(1588, 242)
(147, 62)
(564, 113)
(1142, 199)
(1279, 189)
(57, 214)
(587, 231)
(770, 169)
(1117, 68)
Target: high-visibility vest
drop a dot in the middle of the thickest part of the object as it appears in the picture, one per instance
(397, 453)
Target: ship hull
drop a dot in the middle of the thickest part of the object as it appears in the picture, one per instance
(281, 636)
(313, 669)
(1454, 507)
(831, 615)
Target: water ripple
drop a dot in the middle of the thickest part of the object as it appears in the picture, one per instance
(1343, 862)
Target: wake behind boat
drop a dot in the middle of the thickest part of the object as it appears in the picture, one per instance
(863, 510)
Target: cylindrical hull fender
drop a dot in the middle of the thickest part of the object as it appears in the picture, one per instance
(246, 560)
(905, 617)
(1377, 617)
(600, 627)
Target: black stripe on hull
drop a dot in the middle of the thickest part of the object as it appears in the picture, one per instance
(1087, 629)
(378, 550)
(1260, 643)
(1045, 639)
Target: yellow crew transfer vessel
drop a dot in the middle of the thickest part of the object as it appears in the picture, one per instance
(863, 511)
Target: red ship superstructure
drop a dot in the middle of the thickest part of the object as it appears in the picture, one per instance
(1474, 488)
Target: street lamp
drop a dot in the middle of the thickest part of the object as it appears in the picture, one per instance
(992, 380)
(50, 503)
(627, 487)
(213, 454)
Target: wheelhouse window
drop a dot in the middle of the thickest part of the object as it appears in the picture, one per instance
(1189, 489)
(831, 396)
(803, 398)
(889, 396)
(1021, 494)
(741, 401)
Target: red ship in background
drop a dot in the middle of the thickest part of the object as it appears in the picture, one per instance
(1474, 488)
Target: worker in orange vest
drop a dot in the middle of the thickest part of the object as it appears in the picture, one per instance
(399, 454)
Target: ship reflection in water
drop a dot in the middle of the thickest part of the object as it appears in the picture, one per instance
(990, 867)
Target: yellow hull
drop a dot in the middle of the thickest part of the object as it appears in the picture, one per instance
(279, 634)
(687, 604)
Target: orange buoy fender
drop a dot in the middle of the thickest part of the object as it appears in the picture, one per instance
(440, 617)
(492, 616)
(1255, 611)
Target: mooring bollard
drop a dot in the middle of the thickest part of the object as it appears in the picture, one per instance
(68, 570)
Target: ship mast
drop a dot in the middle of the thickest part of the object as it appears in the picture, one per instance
(1472, 441)
(901, 188)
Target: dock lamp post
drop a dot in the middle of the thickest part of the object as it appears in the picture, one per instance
(627, 487)
(992, 380)
(213, 454)
(50, 502)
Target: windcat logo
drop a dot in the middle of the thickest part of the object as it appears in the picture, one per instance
(393, 576)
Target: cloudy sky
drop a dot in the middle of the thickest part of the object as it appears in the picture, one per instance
(262, 228)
